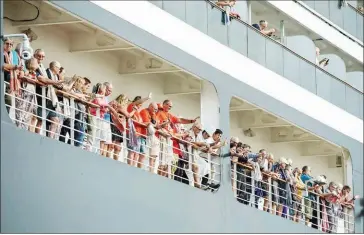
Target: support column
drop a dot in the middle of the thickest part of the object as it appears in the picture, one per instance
(249, 12)
(209, 106)
(210, 120)
(283, 41)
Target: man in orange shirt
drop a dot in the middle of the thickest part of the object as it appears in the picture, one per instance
(134, 152)
(148, 116)
(164, 117)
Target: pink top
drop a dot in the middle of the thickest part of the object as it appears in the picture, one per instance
(103, 106)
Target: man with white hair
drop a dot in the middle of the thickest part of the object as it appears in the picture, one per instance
(148, 116)
(54, 109)
(199, 166)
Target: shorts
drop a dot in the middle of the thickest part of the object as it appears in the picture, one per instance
(116, 135)
(297, 206)
(308, 208)
(140, 146)
(282, 196)
(153, 145)
(265, 188)
(105, 132)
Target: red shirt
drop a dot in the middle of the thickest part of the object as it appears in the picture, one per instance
(146, 119)
(103, 106)
(163, 116)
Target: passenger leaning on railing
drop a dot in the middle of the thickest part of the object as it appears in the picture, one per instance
(97, 123)
(107, 119)
(200, 167)
(297, 193)
(280, 186)
(54, 101)
(137, 148)
(11, 69)
(306, 179)
(332, 206)
(80, 113)
(163, 116)
(263, 28)
(42, 77)
(26, 105)
(288, 209)
(117, 128)
(148, 118)
(215, 145)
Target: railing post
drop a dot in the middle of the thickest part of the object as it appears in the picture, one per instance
(43, 130)
(235, 177)
(190, 160)
(252, 195)
(303, 209)
(124, 149)
(210, 167)
(96, 141)
(270, 194)
(12, 109)
(72, 120)
(169, 166)
(282, 29)
(318, 212)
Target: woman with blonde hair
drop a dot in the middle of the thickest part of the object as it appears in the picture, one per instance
(117, 128)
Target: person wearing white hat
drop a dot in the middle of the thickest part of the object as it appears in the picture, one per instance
(234, 140)
(282, 193)
(199, 166)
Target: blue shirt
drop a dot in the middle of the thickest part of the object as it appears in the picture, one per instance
(253, 155)
(107, 116)
(304, 179)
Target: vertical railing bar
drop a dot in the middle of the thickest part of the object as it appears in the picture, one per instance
(72, 120)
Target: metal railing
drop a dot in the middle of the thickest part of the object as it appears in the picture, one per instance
(213, 4)
(328, 21)
(274, 195)
(72, 128)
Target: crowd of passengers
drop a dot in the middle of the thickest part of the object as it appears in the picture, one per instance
(99, 124)
(288, 187)
(151, 131)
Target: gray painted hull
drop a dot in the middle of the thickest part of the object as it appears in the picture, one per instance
(50, 187)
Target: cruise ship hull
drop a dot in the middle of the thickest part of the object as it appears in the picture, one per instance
(50, 187)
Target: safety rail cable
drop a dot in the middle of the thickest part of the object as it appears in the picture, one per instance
(251, 199)
(71, 130)
(355, 8)
(285, 47)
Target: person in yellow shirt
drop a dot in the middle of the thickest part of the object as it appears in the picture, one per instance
(299, 187)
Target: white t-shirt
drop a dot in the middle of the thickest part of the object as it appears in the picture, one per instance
(195, 138)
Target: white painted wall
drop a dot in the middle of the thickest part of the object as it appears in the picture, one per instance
(101, 67)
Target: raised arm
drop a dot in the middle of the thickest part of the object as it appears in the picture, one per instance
(142, 100)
